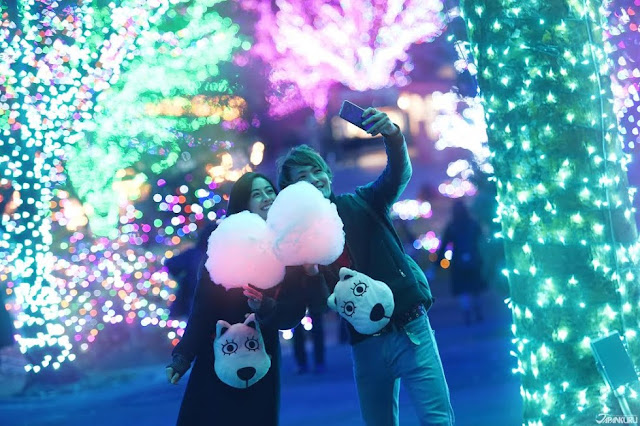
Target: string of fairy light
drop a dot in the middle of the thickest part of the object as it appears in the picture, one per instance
(32, 136)
(563, 199)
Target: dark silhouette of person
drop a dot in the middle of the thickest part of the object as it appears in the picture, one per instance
(483, 209)
(6, 327)
(317, 337)
(6, 192)
(184, 268)
(467, 283)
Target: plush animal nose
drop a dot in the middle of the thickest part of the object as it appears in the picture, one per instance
(377, 312)
(246, 373)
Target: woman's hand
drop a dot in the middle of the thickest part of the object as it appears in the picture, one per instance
(254, 295)
(172, 375)
(178, 368)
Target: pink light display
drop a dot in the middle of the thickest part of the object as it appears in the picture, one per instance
(312, 45)
(623, 36)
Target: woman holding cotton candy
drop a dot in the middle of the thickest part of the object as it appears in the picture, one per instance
(224, 306)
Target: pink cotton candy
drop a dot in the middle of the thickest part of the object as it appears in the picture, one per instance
(307, 226)
(240, 252)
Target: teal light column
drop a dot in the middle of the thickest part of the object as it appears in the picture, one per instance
(564, 202)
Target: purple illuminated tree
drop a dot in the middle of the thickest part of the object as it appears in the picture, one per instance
(313, 45)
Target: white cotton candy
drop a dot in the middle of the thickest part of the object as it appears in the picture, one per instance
(307, 226)
(240, 252)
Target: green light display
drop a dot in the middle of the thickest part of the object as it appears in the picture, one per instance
(563, 198)
(171, 84)
(58, 58)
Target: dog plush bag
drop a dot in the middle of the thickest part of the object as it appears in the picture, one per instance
(367, 304)
(240, 356)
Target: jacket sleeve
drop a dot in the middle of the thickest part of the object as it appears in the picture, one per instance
(387, 188)
(199, 326)
(292, 298)
(317, 294)
(175, 265)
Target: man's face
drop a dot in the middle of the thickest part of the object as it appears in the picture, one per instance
(315, 176)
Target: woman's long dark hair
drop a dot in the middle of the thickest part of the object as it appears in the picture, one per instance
(241, 191)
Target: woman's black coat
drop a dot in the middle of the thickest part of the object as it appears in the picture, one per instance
(207, 400)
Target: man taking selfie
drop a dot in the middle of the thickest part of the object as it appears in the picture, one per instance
(405, 348)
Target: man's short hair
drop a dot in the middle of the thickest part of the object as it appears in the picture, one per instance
(301, 155)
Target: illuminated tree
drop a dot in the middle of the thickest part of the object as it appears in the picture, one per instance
(623, 37)
(460, 124)
(57, 57)
(312, 45)
(49, 75)
(172, 86)
(564, 204)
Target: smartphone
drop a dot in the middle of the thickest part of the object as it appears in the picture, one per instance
(353, 114)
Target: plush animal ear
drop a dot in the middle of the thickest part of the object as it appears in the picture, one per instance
(250, 321)
(346, 273)
(331, 302)
(221, 327)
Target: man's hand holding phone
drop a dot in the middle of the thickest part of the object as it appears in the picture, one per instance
(370, 120)
(378, 122)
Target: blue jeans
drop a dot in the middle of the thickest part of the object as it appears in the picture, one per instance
(409, 353)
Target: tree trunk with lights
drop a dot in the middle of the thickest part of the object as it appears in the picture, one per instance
(568, 228)
(28, 140)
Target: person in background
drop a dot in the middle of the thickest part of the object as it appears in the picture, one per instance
(467, 283)
(207, 400)
(6, 194)
(406, 348)
(316, 314)
(6, 323)
(6, 326)
(184, 269)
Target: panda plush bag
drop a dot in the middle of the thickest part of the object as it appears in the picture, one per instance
(367, 304)
(240, 357)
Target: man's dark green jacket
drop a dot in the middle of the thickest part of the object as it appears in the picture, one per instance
(373, 245)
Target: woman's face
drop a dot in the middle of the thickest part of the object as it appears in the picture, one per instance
(261, 197)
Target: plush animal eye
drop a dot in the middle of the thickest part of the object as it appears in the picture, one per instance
(229, 347)
(252, 344)
(360, 289)
(349, 308)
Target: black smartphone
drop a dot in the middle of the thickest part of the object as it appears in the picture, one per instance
(353, 114)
